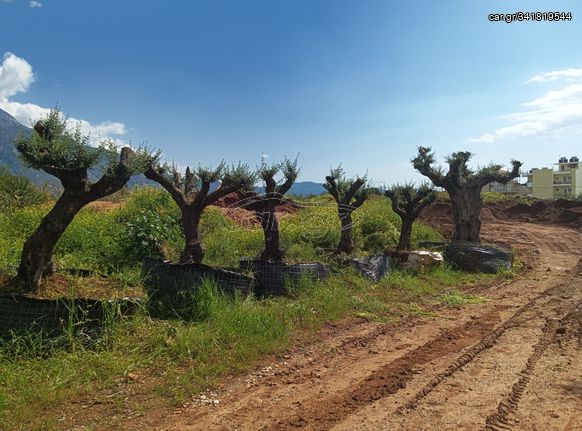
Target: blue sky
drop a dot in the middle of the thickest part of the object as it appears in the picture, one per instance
(357, 82)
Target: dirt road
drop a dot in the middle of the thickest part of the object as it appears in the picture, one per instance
(513, 362)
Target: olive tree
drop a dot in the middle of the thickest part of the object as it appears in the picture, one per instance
(464, 187)
(349, 195)
(66, 154)
(408, 201)
(265, 204)
(192, 195)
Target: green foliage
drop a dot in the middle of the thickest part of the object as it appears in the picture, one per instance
(225, 241)
(59, 147)
(496, 197)
(232, 177)
(406, 193)
(347, 191)
(288, 168)
(454, 298)
(15, 227)
(312, 231)
(459, 172)
(92, 241)
(56, 147)
(151, 226)
(148, 224)
(377, 227)
(17, 191)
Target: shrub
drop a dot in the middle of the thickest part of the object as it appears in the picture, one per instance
(17, 191)
(151, 225)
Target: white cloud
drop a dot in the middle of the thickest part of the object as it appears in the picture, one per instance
(553, 114)
(34, 4)
(568, 74)
(16, 76)
(487, 137)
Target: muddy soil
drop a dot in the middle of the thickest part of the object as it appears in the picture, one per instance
(513, 362)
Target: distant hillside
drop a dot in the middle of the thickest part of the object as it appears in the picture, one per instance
(306, 188)
(10, 129)
(301, 188)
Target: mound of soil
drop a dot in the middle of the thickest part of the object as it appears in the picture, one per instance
(103, 205)
(232, 206)
(559, 212)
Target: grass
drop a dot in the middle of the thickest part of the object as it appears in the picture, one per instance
(225, 335)
(141, 362)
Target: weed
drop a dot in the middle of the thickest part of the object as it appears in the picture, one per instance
(454, 298)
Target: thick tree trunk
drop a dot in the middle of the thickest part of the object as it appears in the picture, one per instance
(270, 226)
(347, 243)
(466, 206)
(36, 259)
(405, 235)
(193, 251)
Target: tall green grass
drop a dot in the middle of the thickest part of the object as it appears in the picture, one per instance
(148, 224)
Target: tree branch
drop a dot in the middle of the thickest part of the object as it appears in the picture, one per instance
(284, 188)
(359, 182)
(331, 187)
(489, 175)
(423, 164)
(429, 199)
(109, 184)
(152, 174)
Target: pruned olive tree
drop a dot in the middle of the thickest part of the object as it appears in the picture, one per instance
(349, 194)
(464, 187)
(265, 204)
(192, 195)
(67, 155)
(408, 201)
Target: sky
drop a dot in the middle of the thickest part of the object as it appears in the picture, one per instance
(361, 83)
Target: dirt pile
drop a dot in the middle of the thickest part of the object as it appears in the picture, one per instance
(559, 212)
(233, 206)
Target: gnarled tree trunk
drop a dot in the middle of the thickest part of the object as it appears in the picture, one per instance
(466, 207)
(193, 251)
(405, 235)
(37, 252)
(347, 243)
(270, 226)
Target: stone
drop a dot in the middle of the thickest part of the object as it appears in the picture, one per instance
(478, 258)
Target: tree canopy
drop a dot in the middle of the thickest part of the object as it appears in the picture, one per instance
(459, 171)
(66, 153)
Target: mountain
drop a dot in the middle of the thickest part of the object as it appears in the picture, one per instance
(10, 129)
(306, 188)
(301, 188)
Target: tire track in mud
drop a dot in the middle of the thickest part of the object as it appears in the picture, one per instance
(508, 407)
(387, 380)
(394, 376)
(486, 343)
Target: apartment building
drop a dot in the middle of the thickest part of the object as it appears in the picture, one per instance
(563, 181)
(513, 187)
